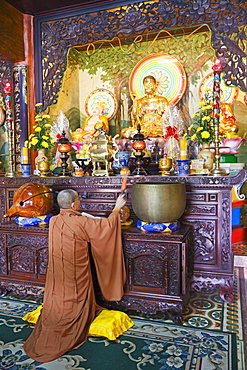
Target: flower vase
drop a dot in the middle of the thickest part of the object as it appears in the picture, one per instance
(41, 157)
(207, 156)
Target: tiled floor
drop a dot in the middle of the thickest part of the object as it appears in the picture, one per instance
(207, 310)
(240, 260)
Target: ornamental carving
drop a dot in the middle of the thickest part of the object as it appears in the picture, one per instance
(42, 260)
(2, 201)
(21, 259)
(195, 197)
(204, 240)
(23, 289)
(98, 207)
(201, 282)
(134, 249)
(227, 21)
(225, 230)
(22, 253)
(5, 74)
(203, 209)
(100, 196)
(147, 271)
(144, 306)
(7, 227)
(174, 267)
(34, 241)
(3, 260)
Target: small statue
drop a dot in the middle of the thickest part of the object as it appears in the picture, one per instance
(93, 123)
(227, 120)
(149, 111)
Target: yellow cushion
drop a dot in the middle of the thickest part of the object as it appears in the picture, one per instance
(33, 316)
(110, 324)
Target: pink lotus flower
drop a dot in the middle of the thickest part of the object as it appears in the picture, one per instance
(231, 145)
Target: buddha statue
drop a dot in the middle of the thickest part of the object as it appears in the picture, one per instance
(91, 124)
(149, 111)
(227, 120)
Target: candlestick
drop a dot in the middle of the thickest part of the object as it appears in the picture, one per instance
(217, 68)
(139, 144)
(183, 149)
(63, 146)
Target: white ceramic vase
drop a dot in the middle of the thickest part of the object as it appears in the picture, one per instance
(207, 155)
(41, 157)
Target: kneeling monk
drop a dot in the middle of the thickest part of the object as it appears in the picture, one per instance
(69, 301)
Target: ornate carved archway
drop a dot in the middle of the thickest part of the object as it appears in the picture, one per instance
(54, 37)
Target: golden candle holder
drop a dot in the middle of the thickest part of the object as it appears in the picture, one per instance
(217, 170)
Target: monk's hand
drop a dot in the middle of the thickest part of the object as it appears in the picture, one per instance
(120, 202)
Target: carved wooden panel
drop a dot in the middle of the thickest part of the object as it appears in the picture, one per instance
(204, 241)
(155, 264)
(201, 196)
(144, 273)
(42, 260)
(2, 201)
(226, 232)
(21, 260)
(23, 288)
(195, 209)
(157, 273)
(174, 265)
(145, 263)
(25, 255)
(3, 257)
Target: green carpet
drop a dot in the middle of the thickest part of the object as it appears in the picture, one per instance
(150, 344)
(212, 338)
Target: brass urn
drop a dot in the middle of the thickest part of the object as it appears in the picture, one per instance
(165, 165)
(158, 202)
(44, 168)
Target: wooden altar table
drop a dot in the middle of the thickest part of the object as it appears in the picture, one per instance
(23, 250)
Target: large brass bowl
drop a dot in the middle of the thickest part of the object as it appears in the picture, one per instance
(158, 201)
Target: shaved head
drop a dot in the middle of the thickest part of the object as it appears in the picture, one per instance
(66, 197)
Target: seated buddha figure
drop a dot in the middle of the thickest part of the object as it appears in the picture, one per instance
(149, 110)
(91, 124)
(227, 120)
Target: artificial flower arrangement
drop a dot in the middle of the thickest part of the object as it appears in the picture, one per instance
(202, 129)
(42, 138)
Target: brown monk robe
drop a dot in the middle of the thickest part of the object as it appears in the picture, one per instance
(69, 301)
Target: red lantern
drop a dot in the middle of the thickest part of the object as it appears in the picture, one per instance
(63, 148)
(139, 145)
